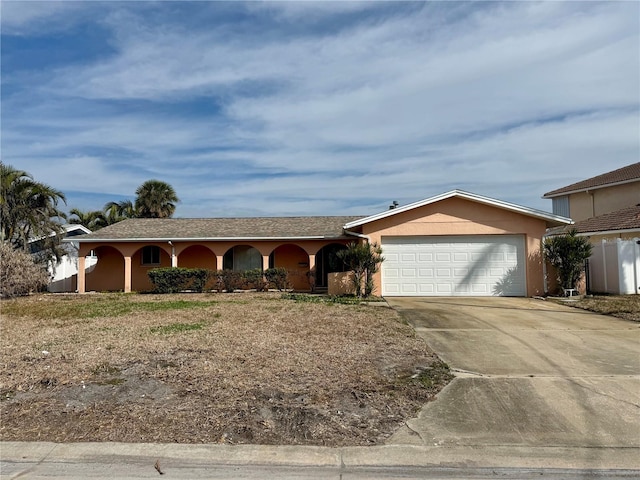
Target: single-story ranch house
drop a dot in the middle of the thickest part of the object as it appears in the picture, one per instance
(456, 243)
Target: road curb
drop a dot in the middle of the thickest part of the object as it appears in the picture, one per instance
(560, 457)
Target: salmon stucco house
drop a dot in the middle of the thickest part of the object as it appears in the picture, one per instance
(456, 243)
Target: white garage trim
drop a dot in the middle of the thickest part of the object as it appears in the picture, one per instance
(461, 265)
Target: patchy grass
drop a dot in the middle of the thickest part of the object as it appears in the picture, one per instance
(93, 306)
(343, 299)
(202, 368)
(176, 328)
(621, 306)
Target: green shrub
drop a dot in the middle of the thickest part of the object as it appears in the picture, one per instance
(254, 279)
(567, 253)
(229, 280)
(363, 260)
(278, 278)
(176, 279)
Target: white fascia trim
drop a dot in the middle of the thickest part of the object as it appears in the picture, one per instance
(468, 196)
(196, 239)
(359, 235)
(68, 227)
(598, 187)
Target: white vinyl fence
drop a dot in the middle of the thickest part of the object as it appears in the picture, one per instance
(614, 267)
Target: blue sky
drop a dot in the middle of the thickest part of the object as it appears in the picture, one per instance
(327, 108)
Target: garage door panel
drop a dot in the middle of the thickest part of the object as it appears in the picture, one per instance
(454, 265)
(426, 288)
(409, 273)
(409, 288)
(391, 257)
(408, 257)
(392, 273)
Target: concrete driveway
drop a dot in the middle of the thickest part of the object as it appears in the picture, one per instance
(529, 373)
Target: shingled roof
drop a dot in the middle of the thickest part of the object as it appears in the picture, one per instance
(626, 219)
(221, 228)
(630, 173)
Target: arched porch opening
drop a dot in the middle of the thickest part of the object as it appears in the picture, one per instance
(108, 273)
(197, 256)
(327, 262)
(241, 258)
(144, 259)
(296, 261)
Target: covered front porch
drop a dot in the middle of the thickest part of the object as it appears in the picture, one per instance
(124, 265)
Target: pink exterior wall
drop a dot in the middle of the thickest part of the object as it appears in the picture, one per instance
(340, 283)
(296, 261)
(109, 273)
(456, 216)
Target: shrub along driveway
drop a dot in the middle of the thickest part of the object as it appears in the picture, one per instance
(529, 373)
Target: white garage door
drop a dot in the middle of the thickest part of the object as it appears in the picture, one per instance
(478, 265)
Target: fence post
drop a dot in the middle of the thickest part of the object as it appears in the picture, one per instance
(604, 265)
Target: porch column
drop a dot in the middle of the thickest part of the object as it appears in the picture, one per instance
(174, 257)
(265, 262)
(312, 271)
(81, 264)
(127, 274)
(219, 262)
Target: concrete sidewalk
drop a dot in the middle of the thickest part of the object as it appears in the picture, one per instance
(36, 460)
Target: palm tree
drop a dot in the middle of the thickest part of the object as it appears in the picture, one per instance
(155, 199)
(114, 212)
(29, 210)
(567, 253)
(93, 220)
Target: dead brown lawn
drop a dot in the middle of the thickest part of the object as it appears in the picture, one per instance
(621, 306)
(233, 368)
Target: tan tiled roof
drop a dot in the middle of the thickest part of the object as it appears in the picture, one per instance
(622, 175)
(625, 219)
(220, 228)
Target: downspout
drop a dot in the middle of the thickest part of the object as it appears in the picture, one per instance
(545, 274)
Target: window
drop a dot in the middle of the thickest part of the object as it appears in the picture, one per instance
(561, 205)
(151, 255)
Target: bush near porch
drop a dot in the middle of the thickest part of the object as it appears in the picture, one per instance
(175, 279)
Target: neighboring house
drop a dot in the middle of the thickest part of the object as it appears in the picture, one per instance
(457, 243)
(64, 273)
(606, 209)
(614, 266)
(598, 195)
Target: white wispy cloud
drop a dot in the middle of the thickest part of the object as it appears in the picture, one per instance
(332, 107)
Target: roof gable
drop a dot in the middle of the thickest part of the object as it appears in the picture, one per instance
(549, 217)
(628, 174)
